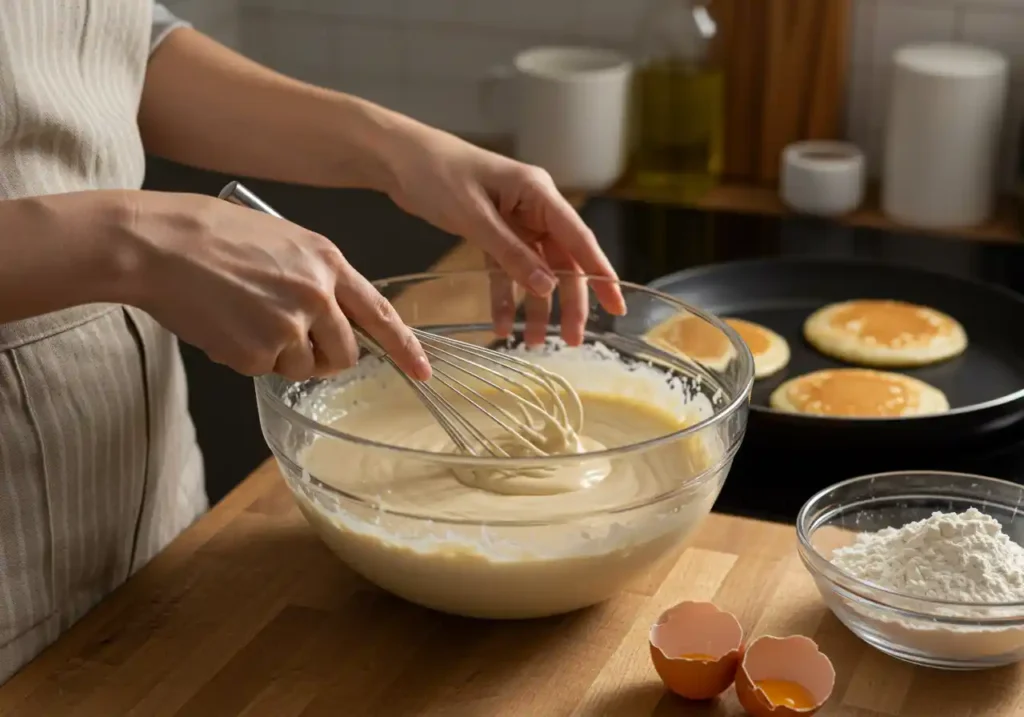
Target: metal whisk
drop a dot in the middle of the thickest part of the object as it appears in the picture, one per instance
(469, 373)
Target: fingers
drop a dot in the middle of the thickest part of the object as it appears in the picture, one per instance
(573, 299)
(503, 300)
(370, 310)
(568, 230)
(334, 344)
(538, 312)
(516, 257)
(296, 361)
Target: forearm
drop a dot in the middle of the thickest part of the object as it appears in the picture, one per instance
(63, 250)
(207, 106)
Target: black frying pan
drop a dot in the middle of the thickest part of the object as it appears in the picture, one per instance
(985, 385)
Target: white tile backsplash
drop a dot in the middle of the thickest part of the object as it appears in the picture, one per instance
(428, 57)
(613, 20)
(859, 97)
(371, 50)
(1000, 30)
(862, 27)
(1003, 30)
(456, 52)
(217, 18)
(542, 15)
(412, 11)
(897, 24)
(376, 9)
(289, 43)
(456, 106)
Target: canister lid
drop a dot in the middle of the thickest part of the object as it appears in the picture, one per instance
(950, 60)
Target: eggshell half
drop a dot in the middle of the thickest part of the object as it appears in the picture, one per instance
(696, 628)
(793, 659)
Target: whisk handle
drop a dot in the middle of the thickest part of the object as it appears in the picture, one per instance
(237, 193)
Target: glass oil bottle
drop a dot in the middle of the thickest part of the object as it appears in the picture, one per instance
(678, 112)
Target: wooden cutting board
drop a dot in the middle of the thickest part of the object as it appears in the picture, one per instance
(785, 63)
(247, 614)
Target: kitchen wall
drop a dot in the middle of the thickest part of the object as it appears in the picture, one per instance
(880, 26)
(218, 18)
(427, 57)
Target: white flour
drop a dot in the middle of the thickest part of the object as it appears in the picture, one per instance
(962, 557)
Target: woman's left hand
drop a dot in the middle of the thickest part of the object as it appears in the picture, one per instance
(517, 216)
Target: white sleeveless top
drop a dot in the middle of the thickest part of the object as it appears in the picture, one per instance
(99, 466)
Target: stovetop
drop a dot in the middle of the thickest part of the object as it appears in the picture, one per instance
(646, 241)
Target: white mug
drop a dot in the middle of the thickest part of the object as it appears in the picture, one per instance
(570, 108)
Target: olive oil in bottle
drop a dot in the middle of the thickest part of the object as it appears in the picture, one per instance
(678, 103)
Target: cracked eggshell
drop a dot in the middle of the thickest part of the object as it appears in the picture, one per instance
(696, 649)
(794, 659)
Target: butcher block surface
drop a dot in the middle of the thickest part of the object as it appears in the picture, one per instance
(249, 614)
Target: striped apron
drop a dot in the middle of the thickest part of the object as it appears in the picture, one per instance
(99, 466)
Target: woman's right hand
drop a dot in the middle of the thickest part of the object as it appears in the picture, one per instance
(257, 293)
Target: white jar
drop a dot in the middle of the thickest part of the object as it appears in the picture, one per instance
(822, 177)
(946, 106)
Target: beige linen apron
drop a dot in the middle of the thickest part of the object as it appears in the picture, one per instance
(99, 468)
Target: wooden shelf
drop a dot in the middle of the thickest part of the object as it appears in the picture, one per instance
(765, 200)
(747, 199)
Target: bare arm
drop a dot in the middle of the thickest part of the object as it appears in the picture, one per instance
(207, 106)
(64, 250)
(189, 260)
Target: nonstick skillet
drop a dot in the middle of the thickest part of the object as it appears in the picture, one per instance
(985, 385)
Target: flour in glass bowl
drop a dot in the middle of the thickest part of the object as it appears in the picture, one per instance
(952, 557)
(955, 557)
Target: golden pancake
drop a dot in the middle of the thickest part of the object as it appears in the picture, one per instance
(694, 338)
(770, 351)
(875, 332)
(858, 393)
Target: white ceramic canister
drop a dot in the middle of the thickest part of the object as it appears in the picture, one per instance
(570, 112)
(946, 107)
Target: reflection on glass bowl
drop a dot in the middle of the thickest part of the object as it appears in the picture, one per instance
(933, 633)
(371, 472)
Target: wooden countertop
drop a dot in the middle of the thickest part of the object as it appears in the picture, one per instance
(248, 614)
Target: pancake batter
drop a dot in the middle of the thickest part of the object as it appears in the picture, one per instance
(504, 569)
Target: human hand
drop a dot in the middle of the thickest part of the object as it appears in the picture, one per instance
(257, 293)
(516, 214)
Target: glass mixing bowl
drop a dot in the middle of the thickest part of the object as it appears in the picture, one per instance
(932, 633)
(483, 563)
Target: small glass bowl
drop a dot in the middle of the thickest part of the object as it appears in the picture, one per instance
(931, 633)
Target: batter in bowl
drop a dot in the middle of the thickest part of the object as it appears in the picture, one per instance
(578, 551)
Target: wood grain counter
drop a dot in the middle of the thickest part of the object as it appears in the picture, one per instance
(248, 614)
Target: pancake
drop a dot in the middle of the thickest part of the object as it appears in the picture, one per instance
(770, 351)
(883, 333)
(858, 393)
(694, 338)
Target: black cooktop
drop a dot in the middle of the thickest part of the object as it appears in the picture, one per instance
(769, 480)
